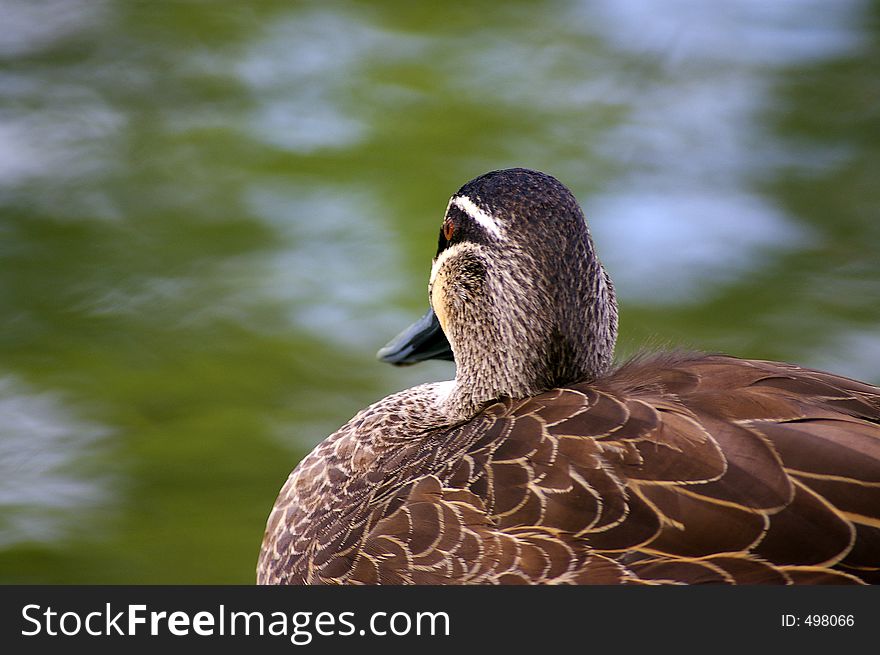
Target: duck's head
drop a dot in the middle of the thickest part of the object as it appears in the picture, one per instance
(517, 293)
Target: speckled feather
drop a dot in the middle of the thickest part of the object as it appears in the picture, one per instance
(671, 469)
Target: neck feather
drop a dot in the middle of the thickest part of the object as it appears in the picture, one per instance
(522, 349)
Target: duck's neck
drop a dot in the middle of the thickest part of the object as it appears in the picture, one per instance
(533, 347)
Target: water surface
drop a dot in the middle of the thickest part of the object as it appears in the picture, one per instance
(213, 214)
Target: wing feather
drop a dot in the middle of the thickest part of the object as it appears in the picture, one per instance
(672, 469)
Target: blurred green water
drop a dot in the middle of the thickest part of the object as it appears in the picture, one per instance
(213, 214)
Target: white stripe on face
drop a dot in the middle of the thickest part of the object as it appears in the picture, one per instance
(488, 222)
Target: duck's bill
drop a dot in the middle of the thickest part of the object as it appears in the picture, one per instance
(422, 340)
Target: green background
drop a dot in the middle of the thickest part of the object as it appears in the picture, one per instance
(212, 214)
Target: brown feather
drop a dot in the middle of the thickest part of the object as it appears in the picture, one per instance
(672, 468)
(691, 468)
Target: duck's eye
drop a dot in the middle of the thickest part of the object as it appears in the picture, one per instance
(448, 229)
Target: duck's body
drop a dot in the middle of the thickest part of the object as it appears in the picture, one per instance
(540, 463)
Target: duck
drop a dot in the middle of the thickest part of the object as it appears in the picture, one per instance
(545, 462)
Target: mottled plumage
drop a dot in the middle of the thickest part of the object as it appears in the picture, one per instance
(672, 468)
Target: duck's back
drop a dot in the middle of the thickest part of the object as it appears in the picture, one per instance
(671, 469)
